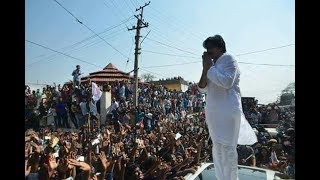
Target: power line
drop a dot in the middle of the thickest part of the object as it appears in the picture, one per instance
(166, 21)
(129, 53)
(235, 55)
(267, 64)
(164, 18)
(153, 73)
(120, 10)
(167, 65)
(128, 6)
(157, 31)
(116, 7)
(177, 23)
(253, 52)
(170, 46)
(91, 37)
(159, 12)
(172, 64)
(136, 5)
(105, 41)
(145, 37)
(176, 55)
(265, 50)
(179, 64)
(63, 53)
(115, 12)
(87, 45)
(68, 11)
(91, 30)
(133, 5)
(116, 33)
(163, 23)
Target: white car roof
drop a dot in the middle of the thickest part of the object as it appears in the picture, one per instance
(269, 173)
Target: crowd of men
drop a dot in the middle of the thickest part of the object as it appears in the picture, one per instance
(165, 137)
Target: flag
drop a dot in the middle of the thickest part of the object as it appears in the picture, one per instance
(96, 92)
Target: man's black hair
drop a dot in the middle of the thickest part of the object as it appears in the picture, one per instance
(215, 41)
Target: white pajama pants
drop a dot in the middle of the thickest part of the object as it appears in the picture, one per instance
(225, 159)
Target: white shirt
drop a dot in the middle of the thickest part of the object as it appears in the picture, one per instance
(93, 107)
(83, 106)
(274, 158)
(114, 106)
(224, 117)
(122, 91)
(183, 113)
(167, 103)
(170, 117)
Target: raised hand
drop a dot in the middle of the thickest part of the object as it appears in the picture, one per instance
(104, 162)
(34, 136)
(52, 163)
(27, 150)
(163, 172)
(36, 147)
(63, 166)
(82, 165)
(27, 168)
(123, 131)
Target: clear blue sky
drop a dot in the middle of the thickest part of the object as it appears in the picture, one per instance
(246, 26)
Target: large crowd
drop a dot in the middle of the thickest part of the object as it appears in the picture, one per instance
(273, 151)
(164, 137)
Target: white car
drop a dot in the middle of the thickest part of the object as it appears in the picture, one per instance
(207, 172)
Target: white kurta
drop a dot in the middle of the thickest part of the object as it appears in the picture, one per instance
(224, 117)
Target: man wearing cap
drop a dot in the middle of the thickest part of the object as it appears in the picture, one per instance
(224, 117)
(76, 76)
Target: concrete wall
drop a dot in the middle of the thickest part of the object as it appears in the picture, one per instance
(105, 105)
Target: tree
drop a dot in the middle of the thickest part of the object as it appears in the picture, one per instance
(148, 77)
(288, 95)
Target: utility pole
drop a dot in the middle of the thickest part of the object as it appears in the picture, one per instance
(140, 24)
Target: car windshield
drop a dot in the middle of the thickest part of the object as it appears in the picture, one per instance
(244, 173)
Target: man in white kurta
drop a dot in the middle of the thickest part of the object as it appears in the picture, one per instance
(224, 117)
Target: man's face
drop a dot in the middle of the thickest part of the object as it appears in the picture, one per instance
(213, 52)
